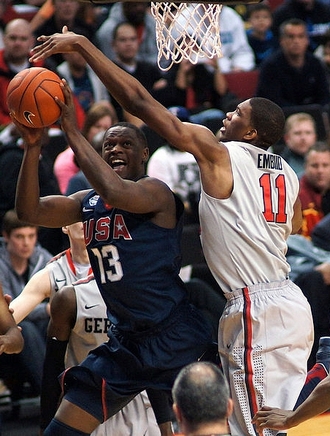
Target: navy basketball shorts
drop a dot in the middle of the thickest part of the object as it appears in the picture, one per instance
(127, 364)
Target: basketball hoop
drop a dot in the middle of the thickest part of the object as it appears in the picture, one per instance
(186, 31)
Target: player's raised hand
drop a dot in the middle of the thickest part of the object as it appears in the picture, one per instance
(57, 43)
(68, 113)
(31, 136)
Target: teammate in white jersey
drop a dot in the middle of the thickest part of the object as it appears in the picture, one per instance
(79, 323)
(249, 206)
(65, 268)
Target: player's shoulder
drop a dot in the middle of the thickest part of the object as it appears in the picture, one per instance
(57, 257)
(88, 280)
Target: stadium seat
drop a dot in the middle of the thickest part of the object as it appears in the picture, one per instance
(242, 83)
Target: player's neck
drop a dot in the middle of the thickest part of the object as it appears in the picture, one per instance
(79, 256)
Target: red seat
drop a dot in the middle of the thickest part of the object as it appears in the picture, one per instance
(243, 83)
(274, 4)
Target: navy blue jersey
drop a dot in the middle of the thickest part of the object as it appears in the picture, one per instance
(135, 263)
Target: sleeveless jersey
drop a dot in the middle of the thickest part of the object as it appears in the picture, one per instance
(244, 236)
(135, 263)
(62, 271)
(92, 324)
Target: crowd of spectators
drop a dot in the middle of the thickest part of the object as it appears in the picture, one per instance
(289, 45)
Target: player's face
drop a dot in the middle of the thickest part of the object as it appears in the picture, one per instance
(124, 153)
(317, 169)
(76, 231)
(21, 242)
(237, 123)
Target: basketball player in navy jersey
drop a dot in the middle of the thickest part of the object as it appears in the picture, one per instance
(78, 321)
(132, 226)
(63, 269)
(249, 206)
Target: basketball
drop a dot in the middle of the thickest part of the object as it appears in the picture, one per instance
(30, 97)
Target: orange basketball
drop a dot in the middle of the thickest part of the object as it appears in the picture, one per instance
(30, 97)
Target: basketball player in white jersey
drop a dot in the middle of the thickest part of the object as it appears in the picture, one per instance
(249, 206)
(79, 323)
(65, 268)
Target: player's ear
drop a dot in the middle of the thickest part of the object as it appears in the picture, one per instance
(251, 134)
(177, 412)
(5, 236)
(145, 155)
(230, 407)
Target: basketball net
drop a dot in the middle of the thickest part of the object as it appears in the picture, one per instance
(186, 31)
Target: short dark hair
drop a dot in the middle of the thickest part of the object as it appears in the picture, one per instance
(268, 119)
(202, 393)
(140, 135)
(11, 222)
(291, 22)
(118, 26)
(318, 147)
(256, 8)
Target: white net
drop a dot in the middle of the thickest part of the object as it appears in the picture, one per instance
(186, 31)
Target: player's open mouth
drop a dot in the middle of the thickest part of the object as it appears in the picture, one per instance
(118, 164)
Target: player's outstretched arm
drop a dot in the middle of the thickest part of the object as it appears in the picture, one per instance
(132, 96)
(34, 292)
(11, 339)
(278, 419)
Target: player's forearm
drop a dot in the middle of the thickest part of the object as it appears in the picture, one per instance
(20, 310)
(27, 191)
(317, 403)
(12, 342)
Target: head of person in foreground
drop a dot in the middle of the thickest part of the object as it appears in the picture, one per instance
(201, 399)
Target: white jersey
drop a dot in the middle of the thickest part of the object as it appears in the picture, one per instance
(62, 271)
(244, 236)
(90, 331)
(92, 324)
